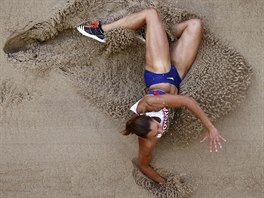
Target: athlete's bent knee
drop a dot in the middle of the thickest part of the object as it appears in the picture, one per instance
(197, 25)
(150, 12)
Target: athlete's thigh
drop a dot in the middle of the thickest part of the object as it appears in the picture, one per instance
(184, 51)
(157, 46)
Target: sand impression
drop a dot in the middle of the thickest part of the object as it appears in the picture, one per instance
(111, 78)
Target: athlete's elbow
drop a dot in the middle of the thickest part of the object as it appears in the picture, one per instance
(143, 163)
(143, 167)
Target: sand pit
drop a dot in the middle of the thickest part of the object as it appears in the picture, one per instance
(65, 68)
(218, 79)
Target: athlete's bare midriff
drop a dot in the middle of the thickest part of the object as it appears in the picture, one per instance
(166, 87)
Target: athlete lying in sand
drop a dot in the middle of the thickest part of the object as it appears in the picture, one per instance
(165, 67)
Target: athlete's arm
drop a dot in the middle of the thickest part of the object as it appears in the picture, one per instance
(144, 159)
(177, 101)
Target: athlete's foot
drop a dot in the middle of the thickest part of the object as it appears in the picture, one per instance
(94, 31)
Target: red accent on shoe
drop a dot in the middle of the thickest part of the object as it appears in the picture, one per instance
(94, 24)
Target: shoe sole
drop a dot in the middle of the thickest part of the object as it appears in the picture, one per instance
(89, 35)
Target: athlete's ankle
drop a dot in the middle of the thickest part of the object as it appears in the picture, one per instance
(104, 27)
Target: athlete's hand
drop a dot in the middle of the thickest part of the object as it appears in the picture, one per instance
(214, 139)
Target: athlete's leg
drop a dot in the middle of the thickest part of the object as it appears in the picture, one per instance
(157, 46)
(184, 51)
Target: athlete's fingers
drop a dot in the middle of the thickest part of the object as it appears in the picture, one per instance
(203, 139)
(211, 146)
(220, 145)
(215, 145)
(218, 142)
(222, 138)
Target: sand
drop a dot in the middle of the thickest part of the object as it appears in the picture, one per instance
(55, 143)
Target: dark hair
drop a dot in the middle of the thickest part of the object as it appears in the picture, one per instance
(140, 125)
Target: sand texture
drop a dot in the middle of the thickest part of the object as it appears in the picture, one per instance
(218, 80)
(177, 185)
(64, 98)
